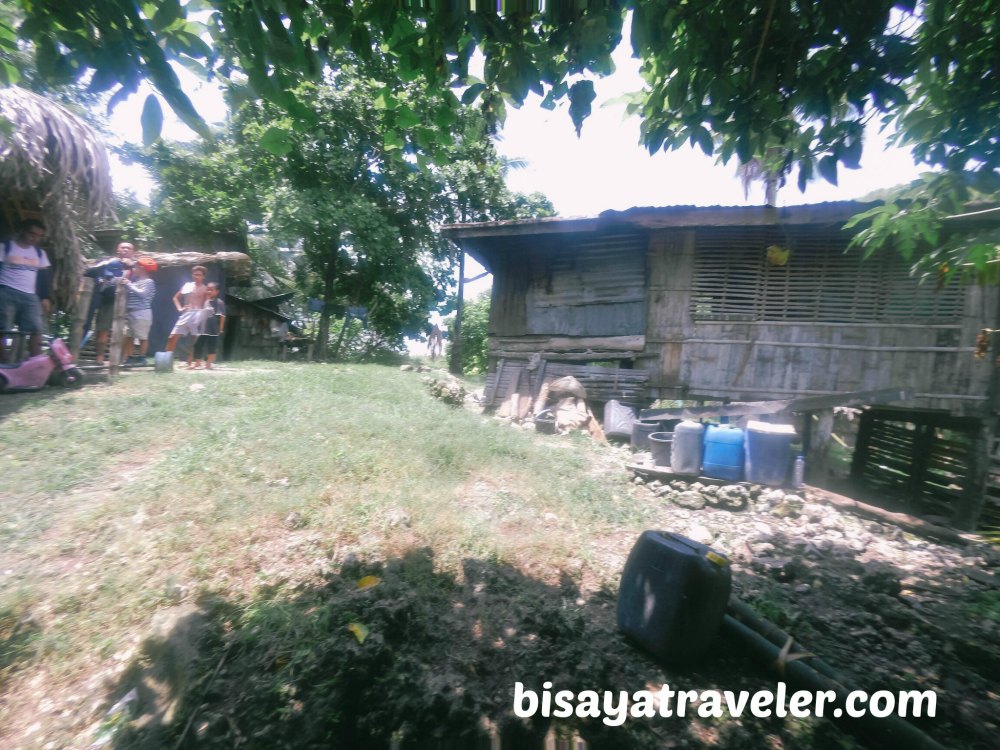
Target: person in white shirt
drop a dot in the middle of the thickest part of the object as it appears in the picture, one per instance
(20, 305)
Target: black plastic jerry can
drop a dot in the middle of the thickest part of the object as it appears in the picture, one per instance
(673, 595)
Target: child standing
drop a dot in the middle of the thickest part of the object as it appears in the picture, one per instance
(194, 294)
(207, 344)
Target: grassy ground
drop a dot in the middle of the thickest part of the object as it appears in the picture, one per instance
(296, 556)
(119, 502)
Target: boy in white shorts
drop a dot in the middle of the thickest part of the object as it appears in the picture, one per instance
(194, 293)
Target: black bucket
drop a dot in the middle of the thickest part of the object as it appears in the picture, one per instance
(673, 595)
(545, 422)
(660, 445)
(641, 430)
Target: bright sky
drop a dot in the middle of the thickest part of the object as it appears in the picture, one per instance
(603, 169)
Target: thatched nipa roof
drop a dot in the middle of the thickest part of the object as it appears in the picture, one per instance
(53, 162)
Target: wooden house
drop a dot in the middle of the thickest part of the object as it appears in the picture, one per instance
(257, 329)
(738, 304)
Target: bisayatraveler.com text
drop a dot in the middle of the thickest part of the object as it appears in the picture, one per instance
(615, 707)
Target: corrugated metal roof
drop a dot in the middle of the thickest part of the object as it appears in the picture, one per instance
(652, 217)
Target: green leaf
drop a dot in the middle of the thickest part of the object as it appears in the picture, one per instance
(703, 138)
(167, 12)
(805, 174)
(406, 118)
(276, 141)
(473, 92)
(385, 100)
(152, 120)
(828, 169)
(445, 117)
(8, 73)
(850, 154)
(393, 141)
(581, 96)
(863, 216)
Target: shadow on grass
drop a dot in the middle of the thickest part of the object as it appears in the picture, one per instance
(426, 659)
(436, 667)
(18, 633)
(12, 402)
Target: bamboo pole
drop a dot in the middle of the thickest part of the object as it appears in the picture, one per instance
(84, 294)
(117, 331)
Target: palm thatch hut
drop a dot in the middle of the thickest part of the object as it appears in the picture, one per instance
(53, 167)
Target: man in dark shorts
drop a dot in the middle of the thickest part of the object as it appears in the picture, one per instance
(21, 302)
(214, 325)
(106, 275)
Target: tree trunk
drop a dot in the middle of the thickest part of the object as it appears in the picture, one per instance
(340, 338)
(455, 358)
(329, 276)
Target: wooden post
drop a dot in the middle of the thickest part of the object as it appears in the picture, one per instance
(818, 449)
(455, 355)
(117, 331)
(84, 293)
(861, 445)
(970, 505)
(923, 442)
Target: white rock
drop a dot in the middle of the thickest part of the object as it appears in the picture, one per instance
(700, 534)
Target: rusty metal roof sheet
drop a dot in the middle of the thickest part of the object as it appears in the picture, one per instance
(656, 217)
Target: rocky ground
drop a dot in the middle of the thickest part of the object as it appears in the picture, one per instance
(889, 609)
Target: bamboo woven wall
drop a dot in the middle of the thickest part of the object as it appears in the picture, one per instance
(724, 323)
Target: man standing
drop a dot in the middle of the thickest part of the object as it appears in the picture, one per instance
(193, 293)
(141, 290)
(22, 300)
(106, 275)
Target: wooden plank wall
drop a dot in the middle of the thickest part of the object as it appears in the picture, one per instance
(511, 276)
(592, 286)
(670, 274)
(569, 297)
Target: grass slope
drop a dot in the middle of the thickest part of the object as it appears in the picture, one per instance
(246, 488)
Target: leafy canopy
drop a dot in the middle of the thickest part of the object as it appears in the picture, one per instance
(790, 82)
(347, 187)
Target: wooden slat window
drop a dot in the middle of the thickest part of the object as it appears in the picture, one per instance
(820, 282)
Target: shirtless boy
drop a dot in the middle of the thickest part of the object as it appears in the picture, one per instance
(194, 293)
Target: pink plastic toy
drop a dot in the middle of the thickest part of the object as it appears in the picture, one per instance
(55, 367)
